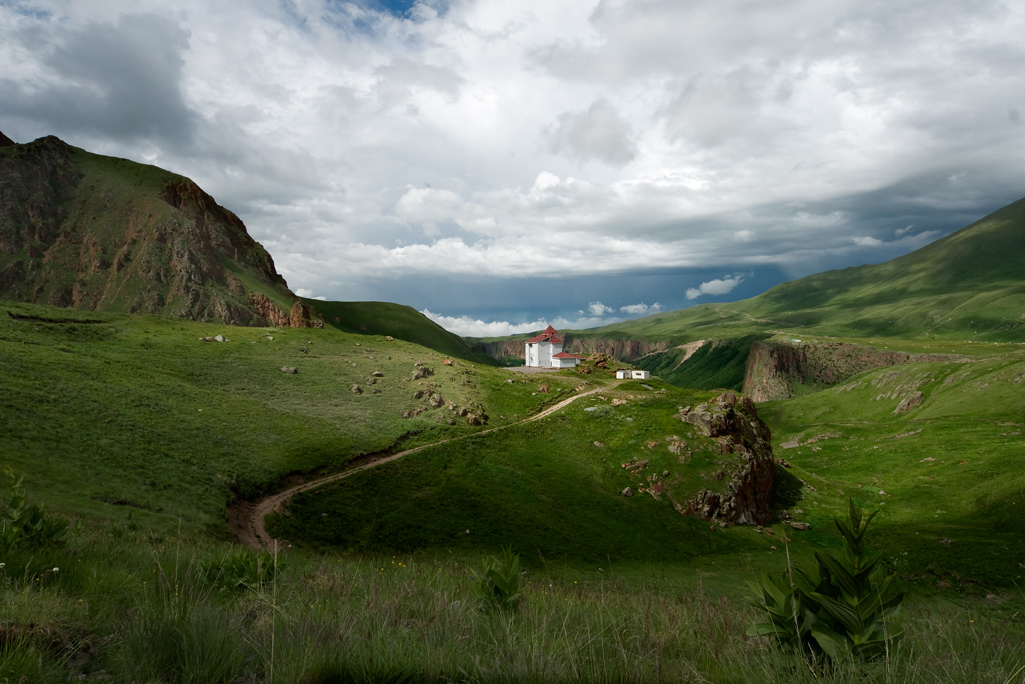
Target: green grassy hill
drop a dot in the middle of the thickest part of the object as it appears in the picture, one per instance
(968, 285)
(397, 320)
(120, 417)
(946, 474)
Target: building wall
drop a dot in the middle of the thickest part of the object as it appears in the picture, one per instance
(544, 354)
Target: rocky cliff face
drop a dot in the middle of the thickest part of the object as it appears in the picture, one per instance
(624, 350)
(747, 467)
(91, 232)
(773, 367)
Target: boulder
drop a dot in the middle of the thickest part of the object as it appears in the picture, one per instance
(910, 402)
(356, 389)
(422, 372)
(627, 492)
(289, 369)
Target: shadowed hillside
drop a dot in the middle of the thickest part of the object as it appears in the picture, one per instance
(400, 321)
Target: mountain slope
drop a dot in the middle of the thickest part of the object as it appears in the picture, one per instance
(92, 232)
(969, 283)
(397, 320)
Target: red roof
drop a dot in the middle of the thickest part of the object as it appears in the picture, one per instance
(566, 355)
(549, 335)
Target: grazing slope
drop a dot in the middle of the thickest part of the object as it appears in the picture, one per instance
(92, 232)
(968, 284)
(397, 320)
(132, 416)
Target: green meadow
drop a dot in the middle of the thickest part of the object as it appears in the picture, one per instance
(140, 434)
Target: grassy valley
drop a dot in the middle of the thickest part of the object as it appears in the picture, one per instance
(141, 433)
(904, 385)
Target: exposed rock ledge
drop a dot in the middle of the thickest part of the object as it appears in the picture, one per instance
(774, 366)
(748, 476)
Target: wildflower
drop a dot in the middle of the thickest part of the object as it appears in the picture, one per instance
(56, 569)
(2, 564)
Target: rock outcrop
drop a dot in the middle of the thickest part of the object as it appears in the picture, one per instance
(91, 232)
(747, 468)
(624, 350)
(773, 367)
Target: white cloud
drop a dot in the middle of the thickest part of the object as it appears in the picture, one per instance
(487, 139)
(719, 286)
(599, 309)
(308, 294)
(598, 133)
(641, 309)
(465, 326)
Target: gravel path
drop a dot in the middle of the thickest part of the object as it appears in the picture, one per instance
(246, 518)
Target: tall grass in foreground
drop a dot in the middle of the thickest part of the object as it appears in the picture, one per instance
(153, 614)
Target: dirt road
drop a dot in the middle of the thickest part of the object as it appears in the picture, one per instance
(246, 518)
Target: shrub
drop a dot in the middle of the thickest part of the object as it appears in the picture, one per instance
(240, 569)
(840, 607)
(22, 524)
(498, 584)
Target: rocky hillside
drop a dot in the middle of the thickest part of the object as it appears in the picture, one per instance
(92, 232)
(774, 367)
(739, 491)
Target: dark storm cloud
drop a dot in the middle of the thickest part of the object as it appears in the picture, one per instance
(121, 81)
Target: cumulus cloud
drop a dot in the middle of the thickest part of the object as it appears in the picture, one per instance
(598, 132)
(308, 294)
(466, 326)
(514, 140)
(641, 309)
(719, 286)
(599, 309)
(122, 80)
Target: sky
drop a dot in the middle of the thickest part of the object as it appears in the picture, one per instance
(502, 166)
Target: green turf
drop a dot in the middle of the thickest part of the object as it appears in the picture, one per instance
(402, 322)
(116, 415)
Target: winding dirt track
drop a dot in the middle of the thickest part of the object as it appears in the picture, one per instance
(245, 518)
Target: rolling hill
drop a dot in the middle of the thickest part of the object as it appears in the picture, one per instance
(970, 284)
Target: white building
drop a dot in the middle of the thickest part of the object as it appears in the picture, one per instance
(545, 351)
(627, 374)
